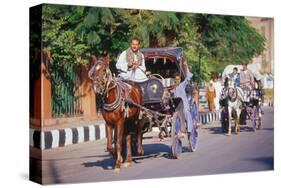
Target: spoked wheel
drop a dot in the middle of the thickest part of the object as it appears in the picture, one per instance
(193, 138)
(254, 118)
(193, 134)
(259, 119)
(176, 134)
(259, 123)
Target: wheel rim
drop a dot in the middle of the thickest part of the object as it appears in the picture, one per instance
(254, 118)
(177, 135)
(193, 139)
(177, 144)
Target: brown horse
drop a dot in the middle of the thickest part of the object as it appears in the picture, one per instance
(116, 109)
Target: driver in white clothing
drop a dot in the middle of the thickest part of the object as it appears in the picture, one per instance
(131, 63)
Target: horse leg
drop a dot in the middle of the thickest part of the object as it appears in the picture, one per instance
(139, 140)
(238, 120)
(229, 120)
(109, 148)
(120, 131)
(129, 150)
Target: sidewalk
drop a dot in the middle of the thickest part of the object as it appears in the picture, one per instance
(85, 131)
(66, 134)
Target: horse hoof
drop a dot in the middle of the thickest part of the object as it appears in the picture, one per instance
(228, 134)
(127, 164)
(141, 153)
(117, 170)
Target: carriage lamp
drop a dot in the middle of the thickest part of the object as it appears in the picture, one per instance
(154, 60)
(153, 88)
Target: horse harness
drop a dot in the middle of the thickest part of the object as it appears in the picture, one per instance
(119, 99)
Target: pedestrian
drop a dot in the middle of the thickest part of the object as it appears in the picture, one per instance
(218, 87)
(211, 94)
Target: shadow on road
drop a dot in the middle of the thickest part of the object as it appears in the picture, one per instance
(150, 151)
(106, 164)
(55, 172)
(267, 129)
(268, 161)
(243, 128)
(214, 130)
(157, 150)
(79, 157)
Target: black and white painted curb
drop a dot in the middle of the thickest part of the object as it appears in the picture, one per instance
(67, 136)
(209, 117)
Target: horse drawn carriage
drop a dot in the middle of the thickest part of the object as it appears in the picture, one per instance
(239, 104)
(137, 107)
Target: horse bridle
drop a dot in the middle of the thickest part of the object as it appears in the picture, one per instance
(101, 86)
(101, 83)
(232, 97)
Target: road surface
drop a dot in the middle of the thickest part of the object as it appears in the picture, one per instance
(88, 162)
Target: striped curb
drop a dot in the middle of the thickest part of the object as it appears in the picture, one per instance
(67, 136)
(209, 117)
(270, 104)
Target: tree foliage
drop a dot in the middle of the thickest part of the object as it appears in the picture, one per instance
(71, 32)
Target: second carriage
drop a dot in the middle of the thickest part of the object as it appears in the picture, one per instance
(251, 108)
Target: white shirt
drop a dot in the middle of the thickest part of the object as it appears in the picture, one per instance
(180, 92)
(218, 87)
(137, 75)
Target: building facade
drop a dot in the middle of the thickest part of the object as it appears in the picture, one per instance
(265, 26)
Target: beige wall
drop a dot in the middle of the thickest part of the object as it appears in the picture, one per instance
(266, 27)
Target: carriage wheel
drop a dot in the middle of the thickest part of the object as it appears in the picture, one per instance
(177, 120)
(193, 138)
(259, 123)
(254, 118)
(193, 135)
(259, 118)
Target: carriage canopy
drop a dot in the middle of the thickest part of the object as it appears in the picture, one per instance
(173, 53)
(165, 61)
(254, 68)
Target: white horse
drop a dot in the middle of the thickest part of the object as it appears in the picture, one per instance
(235, 98)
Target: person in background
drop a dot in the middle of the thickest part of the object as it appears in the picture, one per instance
(246, 77)
(247, 82)
(218, 87)
(235, 76)
(211, 94)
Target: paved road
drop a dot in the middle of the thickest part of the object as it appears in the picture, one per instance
(217, 153)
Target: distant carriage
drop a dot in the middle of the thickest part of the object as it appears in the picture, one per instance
(250, 107)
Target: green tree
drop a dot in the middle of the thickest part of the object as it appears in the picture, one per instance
(227, 39)
(71, 32)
